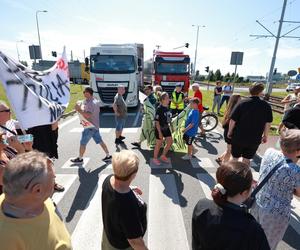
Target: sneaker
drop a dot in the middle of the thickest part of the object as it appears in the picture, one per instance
(186, 157)
(77, 160)
(58, 188)
(195, 151)
(122, 137)
(107, 158)
(136, 144)
(156, 162)
(118, 141)
(164, 159)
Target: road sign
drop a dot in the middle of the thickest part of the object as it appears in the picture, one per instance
(236, 58)
(35, 52)
(292, 73)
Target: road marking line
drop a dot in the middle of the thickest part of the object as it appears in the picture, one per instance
(101, 130)
(67, 122)
(162, 166)
(66, 180)
(166, 228)
(70, 165)
(130, 130)
(207, 182)
(202, 163)
(88, 231)
(138, 115)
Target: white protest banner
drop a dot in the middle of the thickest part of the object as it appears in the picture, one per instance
(37, 97)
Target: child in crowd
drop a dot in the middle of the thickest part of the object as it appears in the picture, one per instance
(162, 120)
(191, 127)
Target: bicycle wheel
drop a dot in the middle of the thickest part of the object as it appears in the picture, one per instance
(209, 122)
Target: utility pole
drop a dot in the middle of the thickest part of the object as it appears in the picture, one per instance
(38, 29)
(270, 75)
(196, 50)
(278, 36)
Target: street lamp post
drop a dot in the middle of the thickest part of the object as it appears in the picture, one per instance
(37, 25)
(19, 41)
(202, 26)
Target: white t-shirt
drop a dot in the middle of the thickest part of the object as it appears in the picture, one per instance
(293, 100)
(227, 88)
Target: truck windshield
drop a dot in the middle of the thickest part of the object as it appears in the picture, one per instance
(113, 64)
(172, 68)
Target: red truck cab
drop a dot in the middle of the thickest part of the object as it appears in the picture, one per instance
(171, 68)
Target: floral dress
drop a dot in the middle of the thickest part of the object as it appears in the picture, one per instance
(273, 202)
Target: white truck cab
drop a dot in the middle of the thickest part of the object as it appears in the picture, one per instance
(113, 65)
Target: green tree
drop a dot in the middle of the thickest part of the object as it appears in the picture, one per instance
(218, 75)
(227, 77)
(211, 76)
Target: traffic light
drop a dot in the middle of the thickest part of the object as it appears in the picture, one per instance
(275, 71)
(207, 69)
(54, 54)
(187, 45)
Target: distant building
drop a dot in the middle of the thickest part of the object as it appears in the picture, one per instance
(256, 78)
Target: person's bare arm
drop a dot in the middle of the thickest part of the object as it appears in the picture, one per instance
(286, 99)
(157, 125)
(297, 192)
(86, 115)
(137, 244)
(231, 127)
(188, 127)
(266, 132)
(115, 108)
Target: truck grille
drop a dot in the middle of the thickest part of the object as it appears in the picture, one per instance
(107, 94)
(168, 89)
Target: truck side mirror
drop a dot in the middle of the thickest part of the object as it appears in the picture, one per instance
(86, 61)
(139, 62)
(140, 68)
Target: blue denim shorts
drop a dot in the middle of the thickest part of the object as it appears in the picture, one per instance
(120, 123)
(89, 133)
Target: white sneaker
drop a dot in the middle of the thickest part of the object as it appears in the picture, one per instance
(186, 157)
(195, 151)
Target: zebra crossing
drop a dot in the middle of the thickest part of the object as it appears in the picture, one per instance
(166, 225)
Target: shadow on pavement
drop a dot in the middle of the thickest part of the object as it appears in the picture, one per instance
(88, 182)
(207, 142)
(291, 237)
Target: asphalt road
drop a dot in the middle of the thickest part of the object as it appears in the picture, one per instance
(171, 192)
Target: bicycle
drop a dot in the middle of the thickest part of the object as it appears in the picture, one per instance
(209, 120)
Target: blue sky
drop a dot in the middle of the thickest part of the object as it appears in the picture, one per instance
(82, 24)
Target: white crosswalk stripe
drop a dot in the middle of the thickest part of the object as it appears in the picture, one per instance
(88, 231)
(80, 129)
(166, 227)
(165, 217)
(65, 179)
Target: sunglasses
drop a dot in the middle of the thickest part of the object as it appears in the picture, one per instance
(6, 110)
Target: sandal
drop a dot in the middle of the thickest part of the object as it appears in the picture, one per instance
(156, 162)
(164, 159)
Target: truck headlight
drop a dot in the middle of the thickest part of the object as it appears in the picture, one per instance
(132, 98)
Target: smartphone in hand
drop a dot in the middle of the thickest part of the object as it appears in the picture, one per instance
(25, 138)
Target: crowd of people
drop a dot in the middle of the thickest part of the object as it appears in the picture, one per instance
(27, 177)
